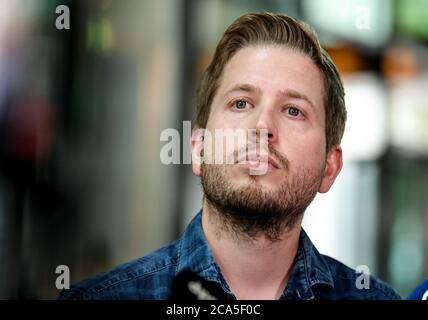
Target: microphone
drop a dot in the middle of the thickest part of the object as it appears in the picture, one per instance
(188, 286)
(420, 293)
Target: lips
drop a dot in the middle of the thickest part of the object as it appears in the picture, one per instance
(272, 162)
(256, 160)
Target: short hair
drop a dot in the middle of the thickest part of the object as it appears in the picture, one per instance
(276, 29)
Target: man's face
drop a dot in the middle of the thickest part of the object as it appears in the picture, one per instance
(281, 91)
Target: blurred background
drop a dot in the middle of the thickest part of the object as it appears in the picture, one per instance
(82, 110)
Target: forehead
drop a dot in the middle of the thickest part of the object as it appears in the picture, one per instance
(272, 69)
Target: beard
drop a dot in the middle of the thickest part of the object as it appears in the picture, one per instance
(248, 211)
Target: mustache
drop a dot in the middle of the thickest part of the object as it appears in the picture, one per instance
(280, 158)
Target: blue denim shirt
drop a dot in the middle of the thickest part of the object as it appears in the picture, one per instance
(314, 276)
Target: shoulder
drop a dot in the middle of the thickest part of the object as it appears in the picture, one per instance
(352, 284)
(148, 277)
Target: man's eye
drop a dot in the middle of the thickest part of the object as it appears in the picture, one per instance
(240, 104)
(294, 112)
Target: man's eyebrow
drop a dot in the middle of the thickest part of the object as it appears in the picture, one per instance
(244, 87)
(296, 94)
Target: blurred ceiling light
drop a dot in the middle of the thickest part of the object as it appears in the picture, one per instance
(365, 21)
(409, 115)
(365, 133)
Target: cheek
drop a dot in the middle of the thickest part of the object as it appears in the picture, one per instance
(305, 152)
(234, 134)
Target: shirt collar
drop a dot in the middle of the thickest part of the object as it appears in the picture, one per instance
(310, 268)
(195, 255)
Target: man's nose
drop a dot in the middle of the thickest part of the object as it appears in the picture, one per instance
(266, 121)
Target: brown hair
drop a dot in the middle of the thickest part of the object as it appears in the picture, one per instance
(276, 29)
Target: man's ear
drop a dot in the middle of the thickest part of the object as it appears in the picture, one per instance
(197, 144)
(333, 166)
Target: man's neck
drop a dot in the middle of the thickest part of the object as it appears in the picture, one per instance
(256, 268)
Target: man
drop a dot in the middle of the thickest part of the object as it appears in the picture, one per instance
(269, 76)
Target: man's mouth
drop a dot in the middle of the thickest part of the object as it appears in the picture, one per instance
(257, 161)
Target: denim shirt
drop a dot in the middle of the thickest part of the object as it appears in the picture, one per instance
(313, 275)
